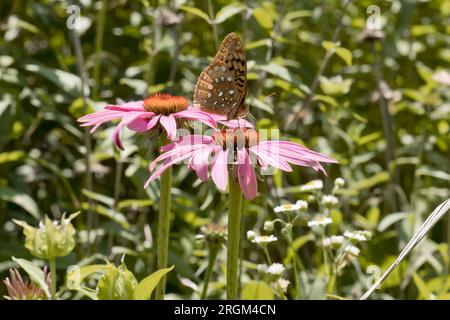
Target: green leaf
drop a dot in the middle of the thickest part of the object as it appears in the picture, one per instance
(328, 45)
(424, 293)
(327, 99)
(35, 273)
(78, 274)
(392, 218)
(229, 11)
(256, 290)
(145, 288)
(98, 197)
(21, 199)
(69, 82)
(135, 203)
(264, 18)
(111, 214)
(197, 12)
(11, 156)
(345, 55)
(371, 182)
(276, 70)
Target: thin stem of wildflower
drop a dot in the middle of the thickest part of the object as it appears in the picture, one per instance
(163, 225)
(331, 280)
(99, 46)
(213, 251)
(266, 252)
(92, 215)
(52, 262)
(290, 240)
(295, 271)
(388, 130)
(234, 232)
(213, 23)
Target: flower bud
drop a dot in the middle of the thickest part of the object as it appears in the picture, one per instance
(52, 238)
(268, 225)
(117, 284)
(251, 235)
(339, 183)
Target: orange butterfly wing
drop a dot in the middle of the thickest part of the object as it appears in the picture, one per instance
(222, 86)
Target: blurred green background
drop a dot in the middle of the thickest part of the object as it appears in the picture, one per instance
(379, 102)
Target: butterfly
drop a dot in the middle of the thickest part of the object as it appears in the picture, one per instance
(222, 86)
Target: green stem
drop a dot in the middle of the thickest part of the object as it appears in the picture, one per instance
(213, 251)
(234, 231)
(266, 252)
(295, 271)
(214, 25)
(331, 281)
(163, 226)
(99, 46)
(53, 277)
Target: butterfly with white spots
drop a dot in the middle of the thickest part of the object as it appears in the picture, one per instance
(222, 85)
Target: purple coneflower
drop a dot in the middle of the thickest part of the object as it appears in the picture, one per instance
(158, 111)
(240, 147)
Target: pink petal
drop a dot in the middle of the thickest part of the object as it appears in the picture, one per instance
(166, 165)
(198, 115)
(192, 139)
(272, 159)
(237, 123)
(139, 125)
(126, 119)
(246, 174)
(219, 170)
(169, 123)
(100, 117)
(174, 153)
(153, 122)
(289, 148)
(200, 162)
(129, 106)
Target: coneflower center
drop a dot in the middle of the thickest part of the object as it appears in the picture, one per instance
(233, 139)
(165, 104)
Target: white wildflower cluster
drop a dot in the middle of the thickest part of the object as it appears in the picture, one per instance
(319, 221)
(262, 268)
(262, 240)
(313, 185)
(280, 285)
(300, 205)
(352, 251)
(333, 241)
(358, 236)
(275, 269)
(330, 201)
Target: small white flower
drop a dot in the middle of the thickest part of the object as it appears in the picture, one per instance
(333, 240)
(352, 251)
(261, 267)
(199, 236)
(264, 239)
(251, 235)
(319, 221)
(339, 183)
(330, 200)
(280, 285)
(275, 269)
(302, 205)
(312, 186)
(358, 235)
(299, 205)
